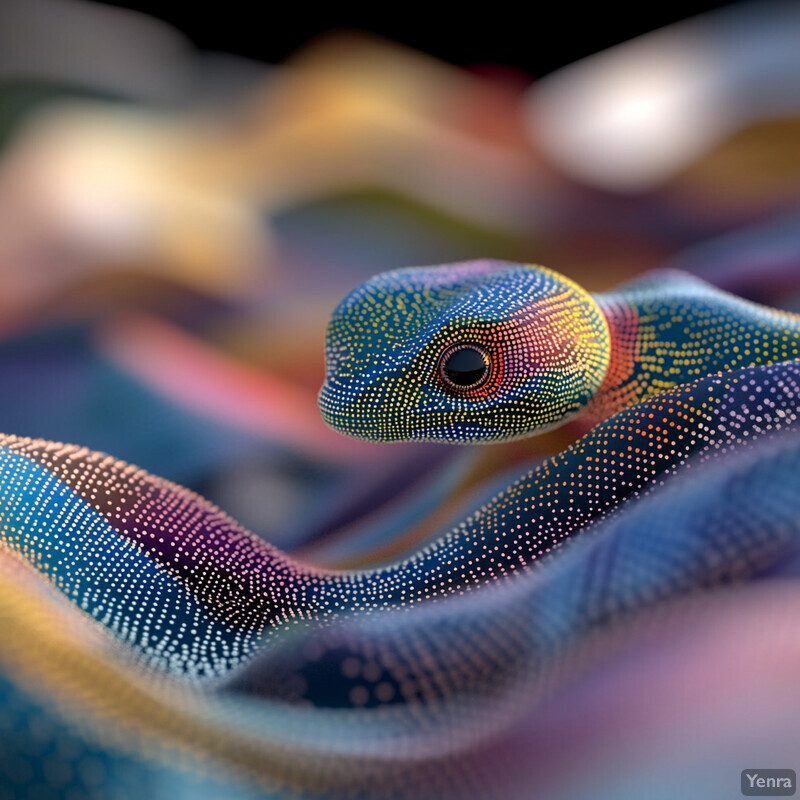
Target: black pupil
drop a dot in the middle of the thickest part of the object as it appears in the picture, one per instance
(465, 367)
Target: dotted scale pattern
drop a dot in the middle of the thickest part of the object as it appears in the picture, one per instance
(555, 352)
(422, 648)
(427, 679)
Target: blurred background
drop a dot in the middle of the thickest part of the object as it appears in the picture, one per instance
(186, 195)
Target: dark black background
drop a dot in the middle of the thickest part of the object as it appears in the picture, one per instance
(536, 38)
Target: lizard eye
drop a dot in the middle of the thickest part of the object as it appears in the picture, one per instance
(464, 366)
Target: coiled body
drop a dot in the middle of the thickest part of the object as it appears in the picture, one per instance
(195, 593)
(409, 668)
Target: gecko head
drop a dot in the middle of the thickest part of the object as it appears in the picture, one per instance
(474, 352)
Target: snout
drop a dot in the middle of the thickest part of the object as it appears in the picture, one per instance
(365, 410)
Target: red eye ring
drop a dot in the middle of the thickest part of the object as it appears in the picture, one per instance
(464, 367)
